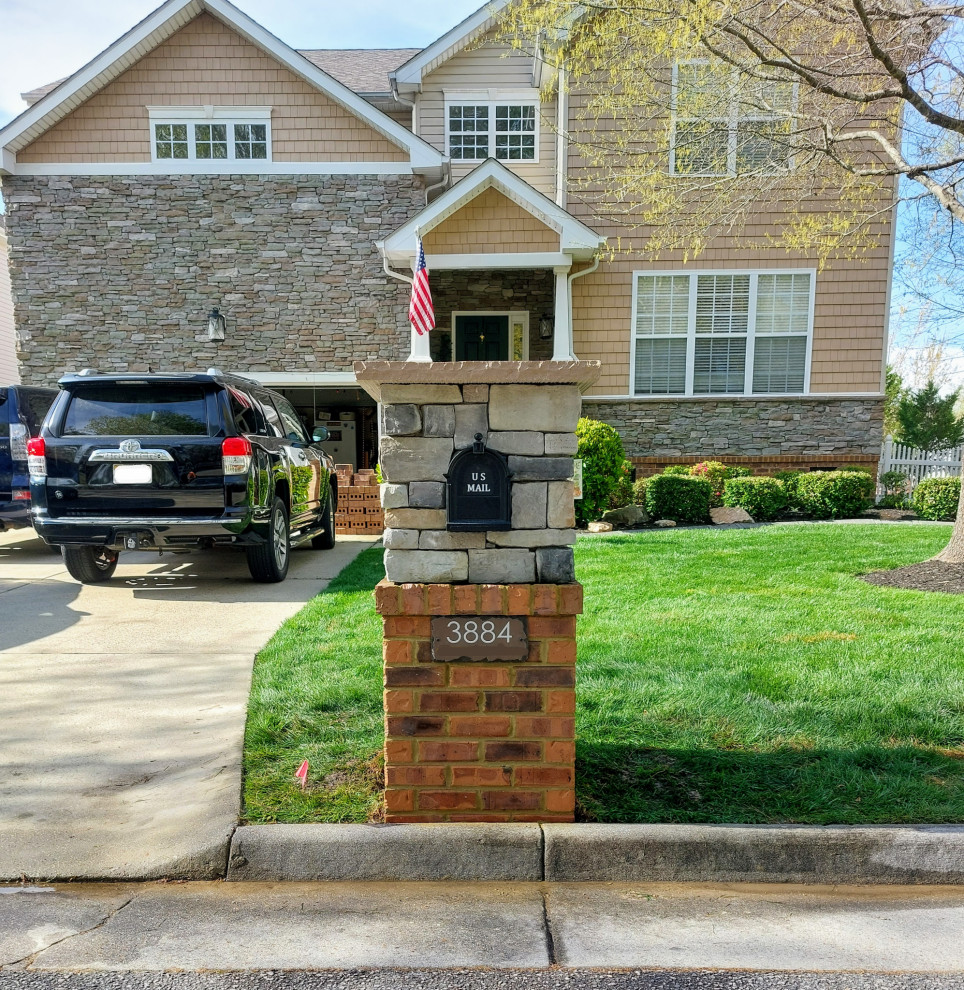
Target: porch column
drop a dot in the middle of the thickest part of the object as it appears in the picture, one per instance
(421, 348)
(562, 331)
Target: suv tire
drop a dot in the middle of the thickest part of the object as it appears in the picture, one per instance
(326, 540)
(90, 565)
(268, 561)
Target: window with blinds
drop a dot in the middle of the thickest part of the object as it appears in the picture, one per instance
(722, 333)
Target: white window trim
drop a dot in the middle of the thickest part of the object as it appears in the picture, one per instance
(514, 315)
(197, 114)
(732, 124)
(693, 274)
(492, 98)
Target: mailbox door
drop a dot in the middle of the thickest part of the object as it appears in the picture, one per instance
(483, 337)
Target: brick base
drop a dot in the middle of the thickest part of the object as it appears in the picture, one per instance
(479, 741)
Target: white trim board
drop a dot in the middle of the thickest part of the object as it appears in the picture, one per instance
(236, 166)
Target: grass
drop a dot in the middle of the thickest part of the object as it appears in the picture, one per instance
(724, 676)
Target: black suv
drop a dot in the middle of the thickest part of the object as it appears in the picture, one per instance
(22, 411)
(176, 462)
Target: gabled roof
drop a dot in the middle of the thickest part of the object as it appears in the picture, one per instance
(158, 27)
(409, 76)
(362, 70)
(575, 239)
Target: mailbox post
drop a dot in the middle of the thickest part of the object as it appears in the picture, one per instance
(480, 600)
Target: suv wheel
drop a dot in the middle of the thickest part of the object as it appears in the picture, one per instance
(326, 540)
(268, 561)
(90, 565)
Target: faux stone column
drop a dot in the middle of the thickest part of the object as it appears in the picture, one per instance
(481, 739)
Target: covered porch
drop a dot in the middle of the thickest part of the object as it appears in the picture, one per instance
(501, 258)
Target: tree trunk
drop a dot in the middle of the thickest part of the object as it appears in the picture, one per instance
(953, 553)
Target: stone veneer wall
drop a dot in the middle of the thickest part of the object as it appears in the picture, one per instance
(532, 291)
(422, 425)
(786, 432)
(120, 272)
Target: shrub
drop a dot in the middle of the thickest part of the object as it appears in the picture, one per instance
(603, 461)
(622, 492)
(717, 473)
(937, 498)
(895, 488)
(639, 491)
(789, 481)
(677, 469)
(683, 499)
(763, 498)
(834, 494)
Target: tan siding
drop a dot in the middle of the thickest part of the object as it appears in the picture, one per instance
(850, 308)
(8, 359)
(208, 63)
(489, 65)
(490, 224)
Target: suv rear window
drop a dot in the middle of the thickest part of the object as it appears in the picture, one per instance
(128, 409)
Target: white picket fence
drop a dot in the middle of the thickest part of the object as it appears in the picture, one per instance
(916, 464)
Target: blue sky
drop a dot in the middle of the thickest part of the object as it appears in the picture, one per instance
(45, 40)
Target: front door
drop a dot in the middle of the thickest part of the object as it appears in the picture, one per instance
(483, 337)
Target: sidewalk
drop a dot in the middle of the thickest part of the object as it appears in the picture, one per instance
(123, 706)
(230, 927)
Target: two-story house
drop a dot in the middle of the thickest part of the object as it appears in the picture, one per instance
(199, 163)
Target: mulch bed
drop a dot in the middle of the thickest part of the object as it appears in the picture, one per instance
(931, 575)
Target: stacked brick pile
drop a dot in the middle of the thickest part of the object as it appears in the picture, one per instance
(479, 741)
(359, 503)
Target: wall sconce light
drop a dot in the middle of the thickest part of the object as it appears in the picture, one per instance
(216, 324)
(546, 325)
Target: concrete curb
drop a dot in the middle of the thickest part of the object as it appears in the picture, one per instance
(926, 854)
(395, 852)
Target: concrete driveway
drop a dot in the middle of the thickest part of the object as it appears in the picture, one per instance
(122, 706)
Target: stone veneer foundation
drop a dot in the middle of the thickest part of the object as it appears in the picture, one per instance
(479, 739)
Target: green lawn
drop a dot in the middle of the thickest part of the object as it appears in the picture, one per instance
(724, 676)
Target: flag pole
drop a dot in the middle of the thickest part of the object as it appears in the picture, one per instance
(421, 348)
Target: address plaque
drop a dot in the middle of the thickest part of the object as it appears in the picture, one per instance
(479, 637)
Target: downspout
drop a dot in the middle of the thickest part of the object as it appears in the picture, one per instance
(562, 144)
(572, 278)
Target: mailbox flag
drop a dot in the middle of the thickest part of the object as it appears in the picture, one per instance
(421, 314)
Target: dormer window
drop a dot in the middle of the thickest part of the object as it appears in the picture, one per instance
(210, 134)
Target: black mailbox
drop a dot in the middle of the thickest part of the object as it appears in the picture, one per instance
(478, 489)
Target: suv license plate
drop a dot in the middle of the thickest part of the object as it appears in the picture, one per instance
(133, 474)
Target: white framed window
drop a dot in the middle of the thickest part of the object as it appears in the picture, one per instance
(210, 134)
(722, 333)
(725, 124)
(505, 127)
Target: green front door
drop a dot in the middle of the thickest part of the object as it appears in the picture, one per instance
(482, 338)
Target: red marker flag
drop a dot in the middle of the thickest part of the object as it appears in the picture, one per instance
(302, 774)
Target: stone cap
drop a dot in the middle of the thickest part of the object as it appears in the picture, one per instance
(371, 375)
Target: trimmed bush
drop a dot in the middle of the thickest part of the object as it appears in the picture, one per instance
(639, 491)
(835, 494)
(763, 498)
(682, 499)
(789, 481)
(937, 498)
(677, 469)
(603, 460)
(717, 473)
(622, 492)
(895, 490)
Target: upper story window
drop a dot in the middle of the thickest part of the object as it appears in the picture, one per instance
(210, 134)
(506, 128)
(726, 124)
(722, 333)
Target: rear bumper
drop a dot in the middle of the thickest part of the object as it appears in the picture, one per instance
(14, 515)
(150, 532)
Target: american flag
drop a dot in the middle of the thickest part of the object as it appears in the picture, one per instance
(421, 314)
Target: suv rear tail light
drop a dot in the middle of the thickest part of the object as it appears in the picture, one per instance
(18, 441)
(236, 455)
(37, 458)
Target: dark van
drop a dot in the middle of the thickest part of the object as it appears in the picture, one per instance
(22, 412)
